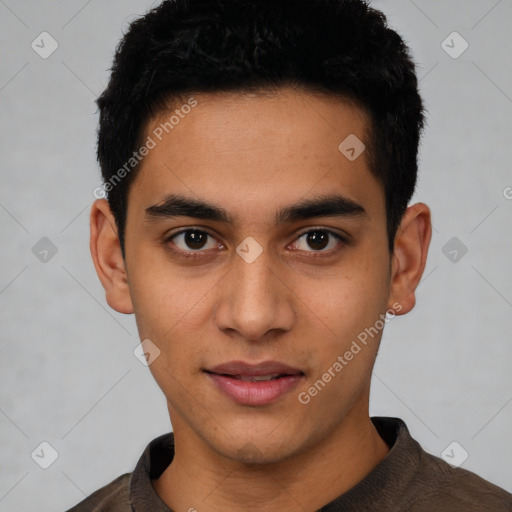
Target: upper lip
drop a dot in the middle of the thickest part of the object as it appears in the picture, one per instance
(254, 370)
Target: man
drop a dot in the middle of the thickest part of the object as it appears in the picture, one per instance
(258, 158)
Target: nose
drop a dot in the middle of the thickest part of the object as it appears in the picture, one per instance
(254, 300)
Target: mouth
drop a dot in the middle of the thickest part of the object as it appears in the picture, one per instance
(253, 378)
(260, 384)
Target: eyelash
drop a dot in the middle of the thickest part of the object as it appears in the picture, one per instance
(196, 253)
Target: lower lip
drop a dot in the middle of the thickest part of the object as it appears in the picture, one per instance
(255, 393)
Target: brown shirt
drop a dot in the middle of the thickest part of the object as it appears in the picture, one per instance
(407, 480)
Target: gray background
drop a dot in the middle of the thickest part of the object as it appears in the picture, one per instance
(68, 373)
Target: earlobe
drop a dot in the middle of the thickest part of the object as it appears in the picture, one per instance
(108, 258)
(409, 257)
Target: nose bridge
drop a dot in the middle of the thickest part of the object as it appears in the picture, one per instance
(253, 301)
(252, 281)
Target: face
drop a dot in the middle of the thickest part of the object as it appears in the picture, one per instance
(256, 249)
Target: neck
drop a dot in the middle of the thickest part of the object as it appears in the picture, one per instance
(201, 479)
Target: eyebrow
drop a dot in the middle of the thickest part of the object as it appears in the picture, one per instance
(175, 205)
(322, 206)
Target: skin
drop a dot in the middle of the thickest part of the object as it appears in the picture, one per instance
(253, 155)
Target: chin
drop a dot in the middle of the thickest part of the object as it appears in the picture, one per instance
(255, 449)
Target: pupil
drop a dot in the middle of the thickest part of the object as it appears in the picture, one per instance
(318, 239)
(195, 239)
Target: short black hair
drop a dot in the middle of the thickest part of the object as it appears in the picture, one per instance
(337, 47)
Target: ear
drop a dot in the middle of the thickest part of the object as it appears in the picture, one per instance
(409, 257)
(108, 258)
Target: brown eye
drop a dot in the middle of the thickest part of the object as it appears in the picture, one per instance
(319, 240)
(195, 239)
(192, 240)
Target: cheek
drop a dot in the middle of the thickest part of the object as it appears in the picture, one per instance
(166, 314)
(350, 306)
(345, 349)
(349, 300)
(174, 312)
(164, 299)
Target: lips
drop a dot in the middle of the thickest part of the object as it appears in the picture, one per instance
(256, 378)
(259, 384)
(246, 370)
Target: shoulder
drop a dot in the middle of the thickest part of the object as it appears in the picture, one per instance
(410, 479)
(456, 489)
(113, 497)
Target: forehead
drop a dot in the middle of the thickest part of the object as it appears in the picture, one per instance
(252, 151)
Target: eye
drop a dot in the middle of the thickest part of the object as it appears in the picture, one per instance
(193, 240)
(320, 240)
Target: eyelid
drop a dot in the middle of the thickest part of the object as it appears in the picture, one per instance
(201, 229)
(343, 238)
(188, 254)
